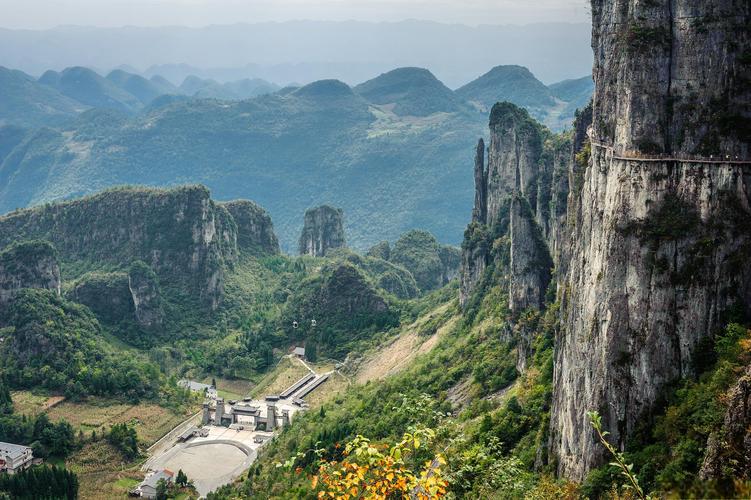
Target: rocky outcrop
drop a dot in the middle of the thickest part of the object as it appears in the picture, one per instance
(106, 294)
(514, 197)
(119, 296)
(729, 448)
(30, 264)
(475, 244)
(659, 240)
(530, 262)
(451, 261)
(480, 210)
(514, 154)
(322, 231)
(143, 285)
(255, 231)
(186, 238)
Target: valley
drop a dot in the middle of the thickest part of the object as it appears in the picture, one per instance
(392, 289)
(382, 150)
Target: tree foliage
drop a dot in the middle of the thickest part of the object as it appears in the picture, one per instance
(40, 483)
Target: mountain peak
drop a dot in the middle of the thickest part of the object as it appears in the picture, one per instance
(511, 83)
(411, 91)
(325, 89)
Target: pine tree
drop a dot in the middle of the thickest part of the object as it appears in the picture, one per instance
(6, 402)
(182, 479)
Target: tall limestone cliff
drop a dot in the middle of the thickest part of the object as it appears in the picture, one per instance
(512, 203)
(255, 231)
(182, 234)
(323, 230)
(122, 296)
(659, 233)
(29, 264)
(143, 285)
(186, 238)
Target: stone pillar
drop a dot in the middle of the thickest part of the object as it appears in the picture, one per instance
(479, 214)
(219, 411)
(205, 417)
(270, 416)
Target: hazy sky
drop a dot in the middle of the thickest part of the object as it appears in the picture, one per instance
(39, 14)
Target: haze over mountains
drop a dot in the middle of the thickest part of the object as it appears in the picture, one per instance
(349, 51)
(383, 150)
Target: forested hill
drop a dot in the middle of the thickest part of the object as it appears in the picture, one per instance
(392, 152)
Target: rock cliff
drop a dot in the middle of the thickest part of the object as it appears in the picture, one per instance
(30, 264)
(187, 239)
(122, 296)
(143, 285)
(106, 294)
(660, 235)
(322, 231)
(514, 194)
(255, 231)
(530, 263)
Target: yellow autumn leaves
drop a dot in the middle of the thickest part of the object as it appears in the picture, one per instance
(373, 472)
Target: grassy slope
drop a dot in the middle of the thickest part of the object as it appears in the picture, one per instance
(497, 430)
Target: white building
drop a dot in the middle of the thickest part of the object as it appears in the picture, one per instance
(208, 390)
(147, 489)
(14, 457)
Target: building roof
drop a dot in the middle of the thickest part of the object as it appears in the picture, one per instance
(299, 351)
(193, 385)
(14, 451)
(185, 435)
(154, 478)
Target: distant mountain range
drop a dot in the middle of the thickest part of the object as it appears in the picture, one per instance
(388, 151)
(304, 51)
(58, 96)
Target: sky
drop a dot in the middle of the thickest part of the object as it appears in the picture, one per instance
(43, 14)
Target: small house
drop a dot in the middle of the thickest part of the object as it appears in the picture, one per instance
(15, 457)
(147, 489)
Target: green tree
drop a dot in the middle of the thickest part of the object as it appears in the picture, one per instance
(311, 351)
(161, 490)
(6, 402)
(124, 438)
(182, 479)
(40, 482)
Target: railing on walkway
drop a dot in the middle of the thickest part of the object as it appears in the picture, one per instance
(661, 158)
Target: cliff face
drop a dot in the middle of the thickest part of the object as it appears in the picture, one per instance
(323, 230)
(530, 263)
(122, 296)
(143, 285)
(254, 227)
(658, 249)
(106, 294)
(30, 264)
(513, 206)
(184, 236)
